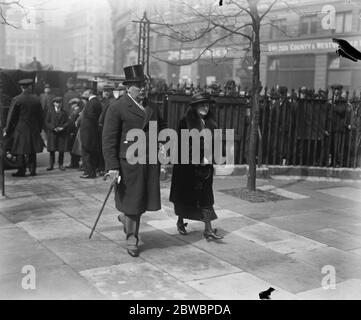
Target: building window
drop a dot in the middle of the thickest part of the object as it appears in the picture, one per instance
(344, 22)
(308, 25)
(278, 28)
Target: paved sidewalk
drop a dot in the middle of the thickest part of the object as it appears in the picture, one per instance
(45, 222)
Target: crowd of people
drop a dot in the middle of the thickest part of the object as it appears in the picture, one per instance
(72, 123)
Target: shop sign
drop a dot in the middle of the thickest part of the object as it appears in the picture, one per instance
(301, 46)
(189, 54)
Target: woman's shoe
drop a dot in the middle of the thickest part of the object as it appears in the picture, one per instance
(133, 252)
(212, 236)
(181, 228)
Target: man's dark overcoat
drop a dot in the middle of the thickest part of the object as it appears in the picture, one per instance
(24, 124)
(56, 140)
(139, 189)
(89, 126)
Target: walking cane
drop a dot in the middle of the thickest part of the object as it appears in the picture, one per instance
(104, 203)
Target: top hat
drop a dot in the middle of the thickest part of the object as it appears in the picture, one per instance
(47, 85)
(26, 82)
(200, 97)
(134, 73)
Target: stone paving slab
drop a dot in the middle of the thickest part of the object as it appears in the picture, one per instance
(83, 254)
(262, 262)
(347, 290)
(45, 213)
(238, 286)
(5, 223)
(18, 249)
(52, 283)
(61, 228)
(356, 251)
(346, 264)
(348, 193)
(276, 239)
(309, 221)
(139, 281)
(335, 238)
(181, 260)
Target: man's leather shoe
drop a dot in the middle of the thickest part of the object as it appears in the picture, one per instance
(70, 166)
(87, 176)
(61, 167)
(50, 168)
(19, 174)
(33, 174)
(133, 253)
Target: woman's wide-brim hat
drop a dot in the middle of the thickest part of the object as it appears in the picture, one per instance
(201, 98)
(134, 73)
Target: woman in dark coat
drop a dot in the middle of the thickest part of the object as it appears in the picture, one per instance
(56, 124)
(191, 189)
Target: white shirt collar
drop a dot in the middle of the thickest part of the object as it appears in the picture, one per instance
(137, 103)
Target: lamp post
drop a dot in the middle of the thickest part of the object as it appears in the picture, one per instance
(143, 41)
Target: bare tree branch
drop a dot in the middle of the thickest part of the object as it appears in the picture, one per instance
(279, 29)
(243, 9)
(208, 47)
(268, 9)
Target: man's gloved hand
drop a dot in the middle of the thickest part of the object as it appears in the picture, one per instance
(114, 174)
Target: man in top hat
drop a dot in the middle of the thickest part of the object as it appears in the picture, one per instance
(139, 187)
(24, 125)
(90, 135)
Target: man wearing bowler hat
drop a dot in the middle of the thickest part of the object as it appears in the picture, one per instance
(23, 126)
(139, 187)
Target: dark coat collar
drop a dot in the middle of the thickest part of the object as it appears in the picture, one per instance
(132, 107)
(146, 114)
(193, 120)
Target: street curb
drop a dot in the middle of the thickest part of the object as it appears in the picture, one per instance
(296, 172)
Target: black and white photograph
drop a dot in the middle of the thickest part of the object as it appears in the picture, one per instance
(200, 152)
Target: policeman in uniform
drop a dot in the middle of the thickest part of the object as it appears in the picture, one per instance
(23, 126)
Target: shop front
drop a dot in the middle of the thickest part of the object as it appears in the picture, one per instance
(312, 63)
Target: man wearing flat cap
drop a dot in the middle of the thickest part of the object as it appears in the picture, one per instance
(23, 126)
(139, 187)
(70, 94)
